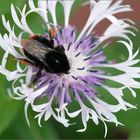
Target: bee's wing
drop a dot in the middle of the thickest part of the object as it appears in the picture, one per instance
(35, 49)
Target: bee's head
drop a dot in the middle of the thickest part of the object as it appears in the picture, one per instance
(57, 62)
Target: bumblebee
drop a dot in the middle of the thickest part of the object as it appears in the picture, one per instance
(42, 53)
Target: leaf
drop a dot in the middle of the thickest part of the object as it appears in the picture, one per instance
(135, 133)
(5, 5)
(8, 107)
(47, 131)
(20, 130)
(9, 110)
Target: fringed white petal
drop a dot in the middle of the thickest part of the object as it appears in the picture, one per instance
(9, 75)
(43, 5)
(127, 79)
(26, 112)
(41, 10)
(8, 44)
(29, 75)
(47, 111)
(84, 116)
(22, 24)
(37, 93)
(107, 9)
(67, 5)
(8, 27)
(62, 117)
(98, 109)
(119, 29)
(104, 113)
(4, 59)
(51, 5)
(39, 116)
(73, 114)
(117, 93)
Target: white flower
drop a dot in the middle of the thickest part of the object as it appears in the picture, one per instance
(86, 60)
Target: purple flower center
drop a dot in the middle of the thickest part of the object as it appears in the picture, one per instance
(82, 57)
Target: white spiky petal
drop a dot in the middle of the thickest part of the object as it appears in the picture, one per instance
(99, 109)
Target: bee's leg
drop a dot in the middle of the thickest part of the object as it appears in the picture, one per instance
(37, 76)
(52, 43)
(52, 32)
(25, 61)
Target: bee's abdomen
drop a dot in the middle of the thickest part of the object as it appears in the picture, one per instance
(34, 60)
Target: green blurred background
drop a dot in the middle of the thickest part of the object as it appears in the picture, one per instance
(12, 121)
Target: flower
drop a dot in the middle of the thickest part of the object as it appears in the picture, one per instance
(54, 93)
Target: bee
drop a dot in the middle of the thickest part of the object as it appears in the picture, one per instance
(42, 53)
